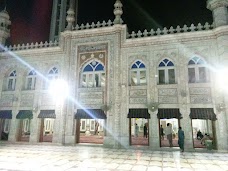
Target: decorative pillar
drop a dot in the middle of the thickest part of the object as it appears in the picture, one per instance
(219, 10)
(124, 121)
(154, 130)
(70, 16)
(118, 12)
(36, 122)
(58, 125)
(186, 125)
(14, 125)
(35, 127)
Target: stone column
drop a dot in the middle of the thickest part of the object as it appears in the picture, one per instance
(58, 125)
(14, 124)
(154, 131)
(35, 128)
(221, 131)
(124, 122)
(186, 125)
(36, 122)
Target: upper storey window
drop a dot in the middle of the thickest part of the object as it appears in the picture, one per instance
(12, 81)
(197, 71)
(138, 74)
(53, 74)
(93, 75)
(31, 80)
(166, 72)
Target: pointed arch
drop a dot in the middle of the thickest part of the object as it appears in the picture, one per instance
(137, 73)
(93, 74)
(11, 80)
(166, 72)
(197, 70)
(30, 82)
(53, 74)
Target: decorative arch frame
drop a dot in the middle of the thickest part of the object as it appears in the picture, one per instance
(166, 71)
(92, 78)
(197, 70)
(137, 74)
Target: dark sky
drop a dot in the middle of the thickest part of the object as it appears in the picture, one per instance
(31, 18)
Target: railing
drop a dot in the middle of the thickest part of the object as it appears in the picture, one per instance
(109, 23)
(30, 46)
(93, 25)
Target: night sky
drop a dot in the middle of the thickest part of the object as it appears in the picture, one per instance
(31, 18)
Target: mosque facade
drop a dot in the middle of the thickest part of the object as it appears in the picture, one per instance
(97, 83)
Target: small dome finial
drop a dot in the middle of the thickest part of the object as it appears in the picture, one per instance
(118, 12)
(4, 26)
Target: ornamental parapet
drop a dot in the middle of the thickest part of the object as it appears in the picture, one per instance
(171, 30)
(30, 46)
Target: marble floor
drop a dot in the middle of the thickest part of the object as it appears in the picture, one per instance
(96, 158)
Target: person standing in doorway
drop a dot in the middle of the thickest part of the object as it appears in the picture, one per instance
(145, 130)
(181, 139)
(162, 132)
(96, 127)
(136, 130)
(169, 133)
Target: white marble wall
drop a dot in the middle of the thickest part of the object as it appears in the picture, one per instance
(118, 94)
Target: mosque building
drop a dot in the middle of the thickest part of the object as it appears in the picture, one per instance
(97, 83)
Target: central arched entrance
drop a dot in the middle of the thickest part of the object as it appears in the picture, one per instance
(90, 126)
(138, 126)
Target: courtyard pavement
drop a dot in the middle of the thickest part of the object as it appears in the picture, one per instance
(96, 158)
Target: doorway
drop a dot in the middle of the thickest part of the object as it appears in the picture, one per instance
(4, 129)
(46, 129)
(171, 117)
(201, 131)
(139, 131)
(24, 130)
(174, 124)
(139, 126)
(91, 131)
(90, 126)
(203, 126)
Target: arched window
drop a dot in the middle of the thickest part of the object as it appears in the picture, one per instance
(138, 74)
(93, 75)
(31, 80)
(197, 71)
(12, 80)
(53, 74)
(166, 72)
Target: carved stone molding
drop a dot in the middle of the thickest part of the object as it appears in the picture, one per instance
(138, 100)
(91, 101)
(201, 90)
(196, 99)
(134, 58)
(27, 100)
(92, 47)
(6, 100)
(167, 99)
(168, 53)
(91, 95)
(167, 91)
(137, 93)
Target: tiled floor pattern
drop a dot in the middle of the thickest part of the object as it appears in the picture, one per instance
(87, 158)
